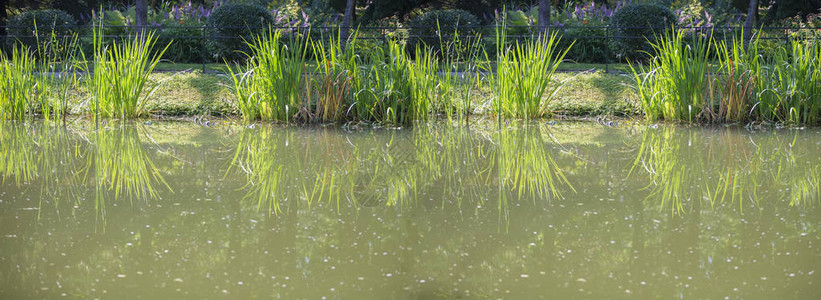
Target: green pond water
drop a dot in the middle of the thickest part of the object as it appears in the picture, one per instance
(173, 210)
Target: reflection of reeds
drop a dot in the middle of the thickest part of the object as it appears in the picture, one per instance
(18, 159)
(122, 166)
(258, 157)
(61, 161)
(454, 165)
(526, 166)
(44, 153)
(722, 167)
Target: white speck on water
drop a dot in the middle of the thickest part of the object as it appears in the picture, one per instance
(120, 275)
(524, 276)
(581, 280)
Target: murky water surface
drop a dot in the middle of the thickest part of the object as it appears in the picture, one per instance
(561, 211)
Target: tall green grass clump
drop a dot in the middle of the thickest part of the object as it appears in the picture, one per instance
(20, 86)
(734, 90)
(461, 65)
(396, 90)
(675, 84)
(522, 82)
(117, 75)
(790, 92)
(337, 66)
(272, 85)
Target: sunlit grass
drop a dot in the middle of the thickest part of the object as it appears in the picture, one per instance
(272, 85)
(675, 84)
(790, 90)
(117, 74)
(521, 83)
(21, 88)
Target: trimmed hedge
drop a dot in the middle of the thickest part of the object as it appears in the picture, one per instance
(234, 24)
(21, 26)
(423, 29)
(639, 23)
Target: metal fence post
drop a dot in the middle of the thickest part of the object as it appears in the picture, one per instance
(202, 46)
(606, 49)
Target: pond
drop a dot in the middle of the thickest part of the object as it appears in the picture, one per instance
(549, 210)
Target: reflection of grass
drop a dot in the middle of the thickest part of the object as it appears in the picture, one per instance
(41, 152)
(17, 156)
(526, 166)
(257, 156)
(61, 161)
(122, 166)
(454, 165)
(729, 168)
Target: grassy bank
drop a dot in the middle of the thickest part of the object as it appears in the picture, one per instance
(186, 94)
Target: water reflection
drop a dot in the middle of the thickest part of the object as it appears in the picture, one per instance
(398, 168)
(409, 214)
(69, 161)
(726, 165)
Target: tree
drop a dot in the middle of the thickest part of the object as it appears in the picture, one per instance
(750, 23)
(346, 20)
(141, 12)
(544, 17)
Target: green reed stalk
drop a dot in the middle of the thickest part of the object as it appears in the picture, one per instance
(272, 85)
(521, 84)
(116, 76)
(383, 93)
(58, 57)
(337, 66)
(27, 81)
(735, 85)
(791, 92)
(675, 85)
(454, 52)
(20, 86)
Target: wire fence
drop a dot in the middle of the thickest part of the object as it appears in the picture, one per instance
(593, 44)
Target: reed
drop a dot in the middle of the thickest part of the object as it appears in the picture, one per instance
(117, 75)
(457, 85)
(396, 90)
(337, 66)
(522, 82)
(21, 88)
(272, 84)
(791, 93)
(675, 84)
(734, 90)
(30, 77)
(58, 58)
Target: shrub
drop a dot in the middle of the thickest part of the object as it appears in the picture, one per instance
(427, 28)
(187, 46)
(589, 38)
(234, 24)
(638, 24)
(22, 26)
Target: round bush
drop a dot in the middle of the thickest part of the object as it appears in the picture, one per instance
(233, 24)
(21, 26)
(424, 30)
(637, 23)
(186, 44)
